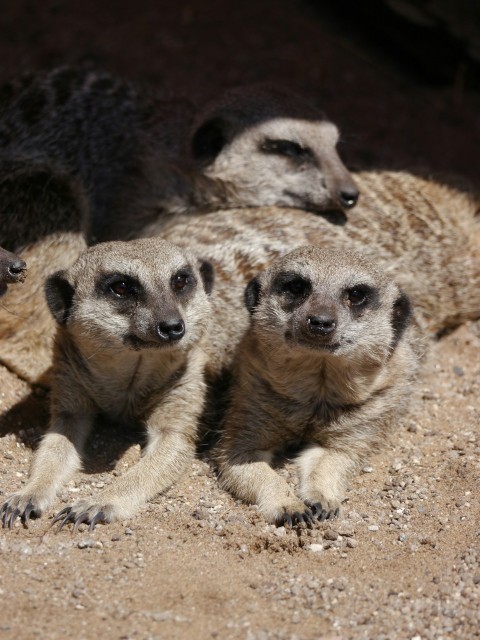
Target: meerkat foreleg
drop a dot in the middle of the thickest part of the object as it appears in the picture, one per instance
(171, 430)
(56, 460)
(324, 477)
(251, 478)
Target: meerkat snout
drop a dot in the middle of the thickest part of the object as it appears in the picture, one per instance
(323, 324)
(12, 269)
(171, 330)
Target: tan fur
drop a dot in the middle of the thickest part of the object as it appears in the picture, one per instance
(423, 234)
(319, 370)
(44, 217)
(252, 146)
(114, 357)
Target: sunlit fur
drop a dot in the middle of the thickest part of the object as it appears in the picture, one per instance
(156, 385)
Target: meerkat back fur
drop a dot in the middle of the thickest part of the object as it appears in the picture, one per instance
(135, 150)
(133, 319)
(327, 361)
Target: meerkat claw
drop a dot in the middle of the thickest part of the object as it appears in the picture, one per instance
(295, 518)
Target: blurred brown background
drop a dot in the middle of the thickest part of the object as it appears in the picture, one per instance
(401, 78)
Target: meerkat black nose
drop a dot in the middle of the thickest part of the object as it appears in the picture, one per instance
(171, 330)
(16, 268)
(321, 325)
(349, 197)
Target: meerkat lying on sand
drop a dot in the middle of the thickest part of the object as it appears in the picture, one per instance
(325, 366)
(12, 269)
(133, 321)
(136, 152)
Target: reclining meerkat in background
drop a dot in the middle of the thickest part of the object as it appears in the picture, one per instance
(141, 157)
(43, 214)
(325, 366)
(132, 326)
(12, 269)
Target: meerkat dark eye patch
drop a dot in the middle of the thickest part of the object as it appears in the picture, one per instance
(286, 148)
(292, 285)
(252, 294)
(359, 296)
(183, 280)
(120, 286)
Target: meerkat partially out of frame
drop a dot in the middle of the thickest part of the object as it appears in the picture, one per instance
(423, 234)
(327, 361)
(43, 215)
(140, 153)
(12, 269)
(133, 320)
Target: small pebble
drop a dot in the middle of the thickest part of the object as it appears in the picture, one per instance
(330, 534)
(316, 548)
(373, 527)
(352, 543)
(128, 532)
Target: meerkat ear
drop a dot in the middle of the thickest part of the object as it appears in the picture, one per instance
(209, 139)
(252, 294)
(59, 294)
(207, 273)
(401, 316)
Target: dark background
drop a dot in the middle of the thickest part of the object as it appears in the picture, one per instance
(402, 85)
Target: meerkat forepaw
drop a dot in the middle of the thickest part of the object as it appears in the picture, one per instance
(19, 506)
(83, 513)
(295, 518)
(322, 510)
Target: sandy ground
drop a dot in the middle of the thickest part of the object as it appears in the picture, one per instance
(403, 560)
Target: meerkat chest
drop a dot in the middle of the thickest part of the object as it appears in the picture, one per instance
(123, 387)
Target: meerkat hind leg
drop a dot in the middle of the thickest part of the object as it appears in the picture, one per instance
(252, 479)
(324, 475)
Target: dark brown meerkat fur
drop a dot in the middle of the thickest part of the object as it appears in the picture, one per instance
(135, 150)
(133, 320)
(326, 363)
(43, 214)
(423, 234)
(12, 269)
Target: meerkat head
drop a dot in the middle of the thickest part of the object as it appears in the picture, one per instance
(275, 149)
(142, 294)
(12, 269)
(330, 302)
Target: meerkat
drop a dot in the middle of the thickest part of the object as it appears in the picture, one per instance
(12, 269)
(326, 363)
(137, 152)
(132, 322)
(425, 235)
(44, 219)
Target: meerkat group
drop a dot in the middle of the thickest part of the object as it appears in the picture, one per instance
(321, 351)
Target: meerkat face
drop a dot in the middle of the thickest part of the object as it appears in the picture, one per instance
(287, 162)
(275, 149)
(330, 302)
(139, 295)
(12, 269)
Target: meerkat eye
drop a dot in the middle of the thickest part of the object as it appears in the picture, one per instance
(286, 148)
(181, 280)
(121, 288)
(296, 287)
(357, 296)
